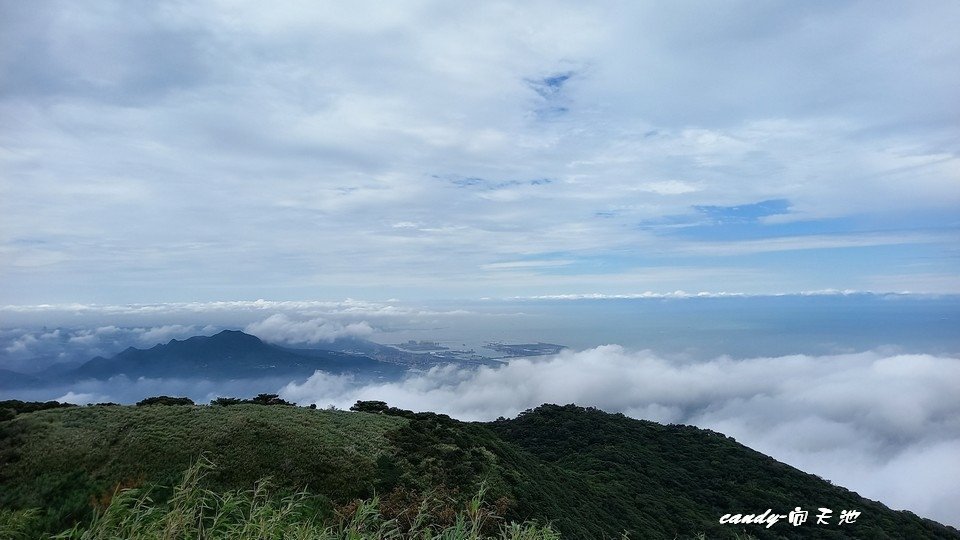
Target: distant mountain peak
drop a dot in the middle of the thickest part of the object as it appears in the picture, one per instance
(237, 333)
(228, 354)
(231, 336)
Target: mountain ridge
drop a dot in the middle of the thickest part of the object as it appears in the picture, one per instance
(591, 474)
(229, 354)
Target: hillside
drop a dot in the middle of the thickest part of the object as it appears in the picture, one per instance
(590, 473)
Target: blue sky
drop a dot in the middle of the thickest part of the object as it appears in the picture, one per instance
(426, 150)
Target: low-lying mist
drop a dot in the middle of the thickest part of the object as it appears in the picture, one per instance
(884, 425)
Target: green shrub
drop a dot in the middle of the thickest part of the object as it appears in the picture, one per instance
(20, 407)
(227, 401)
(165, 400)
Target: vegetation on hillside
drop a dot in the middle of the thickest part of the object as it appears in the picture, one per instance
(12, 407)
(587, 473)
(192, 511)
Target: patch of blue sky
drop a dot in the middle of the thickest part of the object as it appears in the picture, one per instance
(744, 213)
(702, 218)
(755, 230)
(550, 86)
(746, 222)
(550, 89)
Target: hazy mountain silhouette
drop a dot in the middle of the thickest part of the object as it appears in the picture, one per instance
(231, 354)
(12, 379)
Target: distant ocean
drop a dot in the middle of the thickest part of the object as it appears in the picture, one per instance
(704, 327)
(681, 326)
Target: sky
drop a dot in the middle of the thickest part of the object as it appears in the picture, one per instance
(219, 151)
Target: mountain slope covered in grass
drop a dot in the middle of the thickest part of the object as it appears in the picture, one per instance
(588, 473)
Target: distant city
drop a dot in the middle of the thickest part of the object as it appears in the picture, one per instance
(490, 353)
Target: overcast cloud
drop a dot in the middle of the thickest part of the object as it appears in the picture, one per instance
(176, 151)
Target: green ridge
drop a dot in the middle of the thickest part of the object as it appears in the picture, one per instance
(590, 474)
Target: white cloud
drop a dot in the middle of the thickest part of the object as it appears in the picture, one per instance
(163, 334)
(668, 187)
(82, 398)
(31, 350)
(883, 425)
(509, 265)
(281, 328)
(404, 225)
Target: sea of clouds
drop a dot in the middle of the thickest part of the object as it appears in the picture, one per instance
(885, 425)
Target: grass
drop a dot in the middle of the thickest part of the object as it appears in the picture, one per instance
(79, 455)
(199, 513)
(589, 474)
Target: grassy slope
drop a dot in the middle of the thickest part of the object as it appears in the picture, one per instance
(58, 459)
(195, 512)
(593, 474)
(639, 472)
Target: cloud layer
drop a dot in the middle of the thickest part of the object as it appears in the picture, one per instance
(30, 351)
(887, 426)
(282, 329)
(235, 150)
